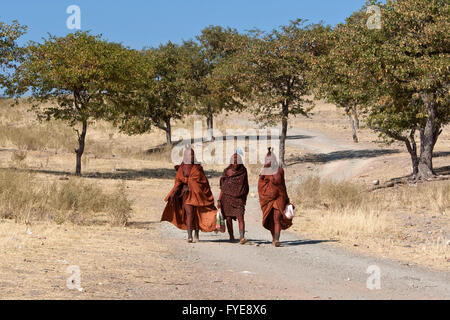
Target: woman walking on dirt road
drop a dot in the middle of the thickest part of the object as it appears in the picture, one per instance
(233, 195)
(190, 204)
(273, 198)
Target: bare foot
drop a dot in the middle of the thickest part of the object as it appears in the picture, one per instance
(243, 241)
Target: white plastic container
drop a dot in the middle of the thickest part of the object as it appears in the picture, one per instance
(289, 211)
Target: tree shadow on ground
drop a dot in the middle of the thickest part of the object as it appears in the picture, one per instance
(122, 174)
(443, 171)
(441, 154)
(142, 224)
(291, 243)
(322, 158)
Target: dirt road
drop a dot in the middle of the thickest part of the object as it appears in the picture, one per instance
(301, 269)
(152, 260)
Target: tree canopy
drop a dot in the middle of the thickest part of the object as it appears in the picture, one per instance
(208, 74)
(404, 70)
(155, 93)
(396, 77)
(276, 67)
(10, 51)
(71, 78)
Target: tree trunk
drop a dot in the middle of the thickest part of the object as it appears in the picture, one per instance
(284, 127)
(210, 124)
(79, 152)
(356, 115)
(411, 145)
(412, 149)
(168, 132)
(428, 138)
(352, 123)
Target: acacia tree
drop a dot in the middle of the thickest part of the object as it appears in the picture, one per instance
(10, 52)
(406, 70)
(73, 76)
(155, 94)
(207, 72)
(333, 71)
(276, 66)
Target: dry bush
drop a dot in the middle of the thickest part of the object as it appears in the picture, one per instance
(350, 213)
(11, 114)
(22, 198)
(159, 154)
(119, 208)
(316, 193)
(353, 224)
(435, 196)
(100, 149)
(46, 136)
(345, 210)
(19, 198)
(18, 158)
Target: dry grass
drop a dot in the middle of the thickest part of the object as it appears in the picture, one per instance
(18, 158)
(113, 262)
(47, 136)
(435, 196)
(346, 212)
(315, 193)
(327, 209)
(25, 199)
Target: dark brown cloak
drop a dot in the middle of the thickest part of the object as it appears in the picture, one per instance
(234, 190)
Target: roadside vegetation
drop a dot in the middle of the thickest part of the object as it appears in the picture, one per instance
(26, 199)
(395, 221)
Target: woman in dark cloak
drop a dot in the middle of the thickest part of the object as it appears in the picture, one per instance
(233, 195)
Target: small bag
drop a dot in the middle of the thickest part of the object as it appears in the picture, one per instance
(220, 222)
(289, 212)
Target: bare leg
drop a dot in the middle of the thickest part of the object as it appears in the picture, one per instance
(242, 230)
(189, 221)
(197, 235)
(230, 228)
(196, 227)
(277, 227)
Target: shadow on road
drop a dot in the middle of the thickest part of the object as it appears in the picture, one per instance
(291, 243)
(122, 174)
(142, 224)
(323, 158)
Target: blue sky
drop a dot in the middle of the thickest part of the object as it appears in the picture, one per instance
(145, 23)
